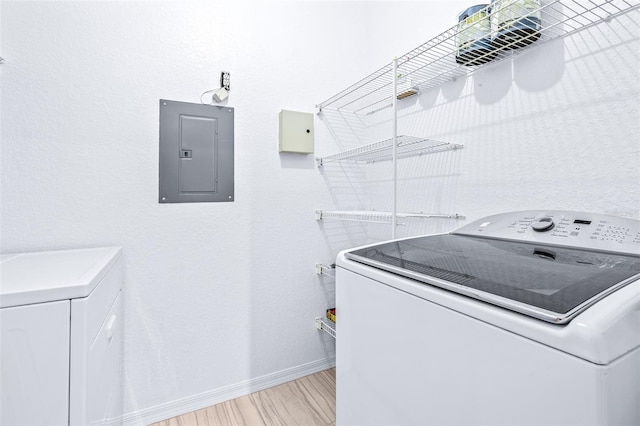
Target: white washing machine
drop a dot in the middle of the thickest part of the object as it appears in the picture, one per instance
(524, 318)
(61, 337)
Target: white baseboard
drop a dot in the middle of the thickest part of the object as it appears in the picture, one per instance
(225, 393)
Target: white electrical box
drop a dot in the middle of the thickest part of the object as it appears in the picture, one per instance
(296, 132)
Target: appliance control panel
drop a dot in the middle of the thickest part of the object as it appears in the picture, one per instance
(559, 227)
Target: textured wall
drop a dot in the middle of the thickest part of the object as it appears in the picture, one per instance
(216, 294)
(552, 128)
(221, 293)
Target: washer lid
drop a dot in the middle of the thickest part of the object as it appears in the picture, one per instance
(546, 282)
(27, 278)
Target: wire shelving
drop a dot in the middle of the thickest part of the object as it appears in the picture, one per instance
(326, 326)
(407, 146)
(374, 216)
(434, 62)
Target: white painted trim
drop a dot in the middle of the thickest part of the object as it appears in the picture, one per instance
(215, 396)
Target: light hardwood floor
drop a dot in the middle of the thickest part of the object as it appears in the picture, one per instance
(308, 401)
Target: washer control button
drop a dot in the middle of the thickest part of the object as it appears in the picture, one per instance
(542, 224)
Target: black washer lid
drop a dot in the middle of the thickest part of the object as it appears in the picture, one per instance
(547, 282)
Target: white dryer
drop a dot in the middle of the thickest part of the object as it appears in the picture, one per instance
(524, 318)
(61, 337)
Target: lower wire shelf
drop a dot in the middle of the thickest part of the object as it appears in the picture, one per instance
(326, 326)
(373, 216)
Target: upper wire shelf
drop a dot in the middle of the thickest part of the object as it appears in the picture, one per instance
(441, 59)
(406, 146)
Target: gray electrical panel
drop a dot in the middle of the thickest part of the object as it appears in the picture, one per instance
(196, 152)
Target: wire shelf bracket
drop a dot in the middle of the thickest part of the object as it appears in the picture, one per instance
(322, 269)
(323, 325)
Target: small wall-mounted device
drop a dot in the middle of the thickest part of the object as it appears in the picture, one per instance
(296, 132)
(220, 95)
(225, 87)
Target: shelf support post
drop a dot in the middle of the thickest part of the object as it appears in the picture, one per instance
(394, 214)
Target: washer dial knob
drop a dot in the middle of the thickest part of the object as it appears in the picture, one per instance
(543, 224)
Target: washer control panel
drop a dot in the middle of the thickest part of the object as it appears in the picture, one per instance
(558, 227)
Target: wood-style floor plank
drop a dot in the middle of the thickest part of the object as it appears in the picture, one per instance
(308, 401)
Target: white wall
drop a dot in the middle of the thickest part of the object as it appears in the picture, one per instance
(216, 293)
(552, 128)
(555, 127)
